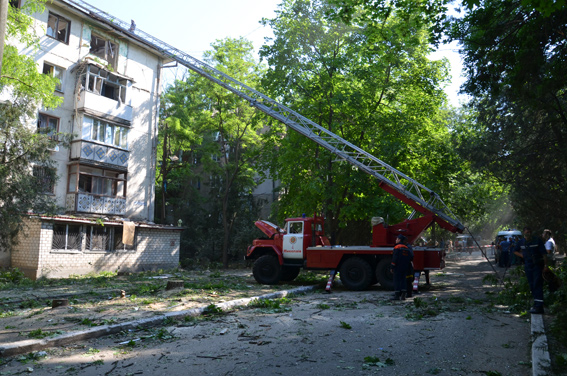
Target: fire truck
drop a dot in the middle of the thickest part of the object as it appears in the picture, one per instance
(302, 242)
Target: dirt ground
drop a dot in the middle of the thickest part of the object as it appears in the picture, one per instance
(450, 328)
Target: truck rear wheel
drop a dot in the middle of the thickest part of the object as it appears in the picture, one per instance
(356, 274)
(267, 270)
(289, 273)
(384, 274)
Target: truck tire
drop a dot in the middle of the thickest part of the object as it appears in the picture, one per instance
(356, 273)
(384, 274)
(267, 270)
(289, 273)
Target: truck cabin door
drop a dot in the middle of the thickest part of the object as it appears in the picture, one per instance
(293, 241)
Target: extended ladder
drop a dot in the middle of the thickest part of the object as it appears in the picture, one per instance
(417, 195)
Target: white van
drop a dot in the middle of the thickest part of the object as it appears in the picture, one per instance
(511, 235)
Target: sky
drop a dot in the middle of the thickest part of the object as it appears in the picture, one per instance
(192, 25)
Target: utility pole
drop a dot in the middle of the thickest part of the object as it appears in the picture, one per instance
(3, 25)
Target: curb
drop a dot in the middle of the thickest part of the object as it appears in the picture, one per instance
(541, 361)
(20, 347)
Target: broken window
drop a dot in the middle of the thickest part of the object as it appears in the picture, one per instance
(58, 28)
(104, 49)
(48, 125)
(105, 83)
(56, 72)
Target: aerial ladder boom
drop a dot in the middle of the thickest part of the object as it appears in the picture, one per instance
(411, 192)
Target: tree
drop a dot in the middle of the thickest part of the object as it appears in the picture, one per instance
(228, 128)
(373, 86)
(20, 146)
(515, 56)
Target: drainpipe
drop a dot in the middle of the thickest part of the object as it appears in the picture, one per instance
(153, 159)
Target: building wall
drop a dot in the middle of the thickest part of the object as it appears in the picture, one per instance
(25, 256)
(134, 61)
(157, 248)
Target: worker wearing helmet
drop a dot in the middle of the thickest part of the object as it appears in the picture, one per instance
(401, 264)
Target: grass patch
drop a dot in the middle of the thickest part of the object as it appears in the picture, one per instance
(40, 333)
(271, 305)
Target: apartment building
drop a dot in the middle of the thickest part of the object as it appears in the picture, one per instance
(110, 82)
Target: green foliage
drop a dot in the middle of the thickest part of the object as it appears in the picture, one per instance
(345, 325)
(377, 90)
(557, 303)
(514, 55)
(20, 145)
(374, 361)
(19, 72)
(210, 140)
(213, 309)
(39, 333)
(91, 351)
(271, 305)
(12, 276)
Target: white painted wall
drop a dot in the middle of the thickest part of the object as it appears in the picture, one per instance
(141, 104)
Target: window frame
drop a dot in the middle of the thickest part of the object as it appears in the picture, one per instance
(100, 133)
(108, 49)
(52, 135)
(45, 179)
(102, 180)
(52, 73)
(99, 81)
(56, 30)
(87, 237)
(68, 248)
(113, 243)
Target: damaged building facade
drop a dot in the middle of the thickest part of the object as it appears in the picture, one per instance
(110, 85)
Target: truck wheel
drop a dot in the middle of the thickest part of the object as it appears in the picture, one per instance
(267, 270)
(383, 273)
(356, 274)
(289, 273)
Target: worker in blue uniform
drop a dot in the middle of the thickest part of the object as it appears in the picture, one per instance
(401, 263)
(532, 250)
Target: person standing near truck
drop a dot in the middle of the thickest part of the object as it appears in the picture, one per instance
(532, 250)
(504, 261)
(401, 264)
(549, 246)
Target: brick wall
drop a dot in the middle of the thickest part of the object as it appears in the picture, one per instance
(25, 256)
(157, 248)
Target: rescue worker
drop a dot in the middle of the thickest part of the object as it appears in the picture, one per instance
(532, 250)
(401, 263)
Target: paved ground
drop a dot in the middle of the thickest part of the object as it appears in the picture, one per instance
(449, 329)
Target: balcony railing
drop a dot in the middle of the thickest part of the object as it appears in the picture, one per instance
(93, 151)
(89, 203)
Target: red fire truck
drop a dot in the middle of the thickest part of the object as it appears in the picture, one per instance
(302, 244)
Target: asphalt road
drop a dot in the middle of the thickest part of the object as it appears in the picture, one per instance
(450, 328)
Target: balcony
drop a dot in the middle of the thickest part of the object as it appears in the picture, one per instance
(92, 102)
(95, 204)
(95, 152)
